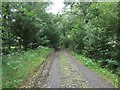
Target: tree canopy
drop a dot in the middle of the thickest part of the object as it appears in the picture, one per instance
(88, 28)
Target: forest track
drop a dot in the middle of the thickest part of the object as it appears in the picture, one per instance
(63, 71)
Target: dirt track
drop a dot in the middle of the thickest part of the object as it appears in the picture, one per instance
(63, 71)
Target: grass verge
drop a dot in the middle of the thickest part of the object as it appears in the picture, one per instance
(17, 67)
(102, 72)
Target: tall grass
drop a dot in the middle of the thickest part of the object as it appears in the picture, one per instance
(103, 72)
(17, 67)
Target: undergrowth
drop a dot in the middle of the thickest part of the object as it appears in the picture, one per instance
(17, 67)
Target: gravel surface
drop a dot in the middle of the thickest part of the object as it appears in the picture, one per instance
(54, 80)
(63, 71)
(90, 77)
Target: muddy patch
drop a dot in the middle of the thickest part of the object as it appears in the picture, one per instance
(39, 78)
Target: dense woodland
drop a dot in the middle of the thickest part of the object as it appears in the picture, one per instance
(88, 28)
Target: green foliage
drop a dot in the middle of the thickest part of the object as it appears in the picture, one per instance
(17, 67)
(93, 31)
(27, 25)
